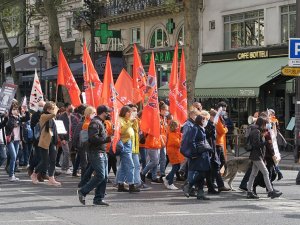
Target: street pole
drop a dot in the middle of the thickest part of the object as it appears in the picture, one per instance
(297, 92)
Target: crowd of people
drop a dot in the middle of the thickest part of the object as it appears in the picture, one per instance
(196, 150)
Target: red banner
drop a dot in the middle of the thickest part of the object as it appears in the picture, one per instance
(66, 78)
(124, 87)
(173, 84)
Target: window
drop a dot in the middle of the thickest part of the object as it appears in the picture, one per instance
(159, 39)
(135, 35)
(69, 27)
(36, 32)
(288, 22)
(180, 38)
(244, 30)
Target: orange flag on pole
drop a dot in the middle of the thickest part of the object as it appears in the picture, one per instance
(139, 77)
(91, 79)
(181, 100)
(173, 84)
(150, 122)
(109, 98)
(66, 78)
(124, 87)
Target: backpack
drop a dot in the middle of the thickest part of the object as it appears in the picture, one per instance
(187, 143)
(37, 131)
(27, 132)
(83, 137)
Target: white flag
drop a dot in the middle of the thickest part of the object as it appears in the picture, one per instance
(36, 94)
(24, 102)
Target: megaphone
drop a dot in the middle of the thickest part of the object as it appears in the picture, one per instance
(251, 120)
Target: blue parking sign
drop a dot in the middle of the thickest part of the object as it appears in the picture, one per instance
(294, 48)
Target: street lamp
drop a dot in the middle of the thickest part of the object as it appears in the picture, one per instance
(41, 52)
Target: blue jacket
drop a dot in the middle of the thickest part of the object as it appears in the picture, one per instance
(188, 144)
(201, 159)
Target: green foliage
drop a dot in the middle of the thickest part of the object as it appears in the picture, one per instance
(173, 6)
(11, 17)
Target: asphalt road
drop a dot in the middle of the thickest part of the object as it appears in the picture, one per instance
(25, 203)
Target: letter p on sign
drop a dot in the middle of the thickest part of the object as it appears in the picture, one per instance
(297, 48)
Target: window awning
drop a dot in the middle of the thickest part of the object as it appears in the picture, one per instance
(26, 62)
(234, 79)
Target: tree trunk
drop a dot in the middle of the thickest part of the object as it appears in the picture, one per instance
(11, 59)
(191, 44)
(54, 35)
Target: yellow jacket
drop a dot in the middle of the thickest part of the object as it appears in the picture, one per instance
(136, 145)
(127, 132)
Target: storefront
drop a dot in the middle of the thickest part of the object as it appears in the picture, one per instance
(249, 80)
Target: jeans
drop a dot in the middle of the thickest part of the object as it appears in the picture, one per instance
(34, 158)
(126, 168)
(76, 164)
(99, 164)
(83, 160)
(162, 161)
(44, 160)
(259, 166)
(86, 176)
(52, 159)
(136, 162)
(196, 178)
(143, 154)
(221, 155)
(2, 154)
(12, 151)
(27, 148)
(170, 177)
(66, 155)
(246, 178)
(153, 162)
(216, 175)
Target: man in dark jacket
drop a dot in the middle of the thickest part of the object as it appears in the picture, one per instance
(97, 157)
(70, 123)
(3, 122)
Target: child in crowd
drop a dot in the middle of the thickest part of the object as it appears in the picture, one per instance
(175, 157)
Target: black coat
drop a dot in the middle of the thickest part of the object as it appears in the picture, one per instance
(257, 141)
(97, 135)
(2, 127)
(74, 121)
(35, 118)
(14, 122)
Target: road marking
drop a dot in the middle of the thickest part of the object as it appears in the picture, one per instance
(22, 221)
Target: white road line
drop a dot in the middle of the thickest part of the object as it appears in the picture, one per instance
(23, 221)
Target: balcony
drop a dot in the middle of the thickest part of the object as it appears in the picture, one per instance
(116, 11)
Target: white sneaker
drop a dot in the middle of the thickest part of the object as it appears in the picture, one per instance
(67, 172)
(166, 182)
(172, 187)
(13, 179)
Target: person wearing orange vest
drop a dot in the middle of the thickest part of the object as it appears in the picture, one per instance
(221, 131)
(173, 151)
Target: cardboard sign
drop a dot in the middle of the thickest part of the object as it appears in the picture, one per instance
(60, 127)
(7, 95)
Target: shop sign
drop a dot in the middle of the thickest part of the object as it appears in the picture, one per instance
(291, 71)
(253, 55)
(161, 57)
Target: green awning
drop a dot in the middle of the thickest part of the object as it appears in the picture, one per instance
(234, 79)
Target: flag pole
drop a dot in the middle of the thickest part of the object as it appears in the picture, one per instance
(56, 94)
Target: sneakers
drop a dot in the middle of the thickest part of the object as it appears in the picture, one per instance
(172, 187)
(165, 181)
(143, 187)
(274, 194)
(101, 203)
(34, 178)
(67, 172)
(244, 189)
(156, 181)
(133, 189)
(213, 192)
(224, 189)
(13, 178)
(251, 195)
(53, 182)
(81, 197)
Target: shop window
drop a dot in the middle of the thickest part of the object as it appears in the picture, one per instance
(244, 30)
(180, 38)
(135, 35)
(288, 22)
(159, 39)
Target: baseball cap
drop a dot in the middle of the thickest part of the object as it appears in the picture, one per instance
(103, 108)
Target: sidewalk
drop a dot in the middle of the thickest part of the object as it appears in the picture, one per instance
(287, 158)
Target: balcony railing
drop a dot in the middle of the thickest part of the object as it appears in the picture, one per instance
(118, 7)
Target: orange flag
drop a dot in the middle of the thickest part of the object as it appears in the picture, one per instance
(150, 122)
(173, 84)
(66, 78)
(124, 87)
(91, 79)
(181, 100)
(139, 77)
(109, 98)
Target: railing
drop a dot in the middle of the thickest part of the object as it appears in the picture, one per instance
(117, 7)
